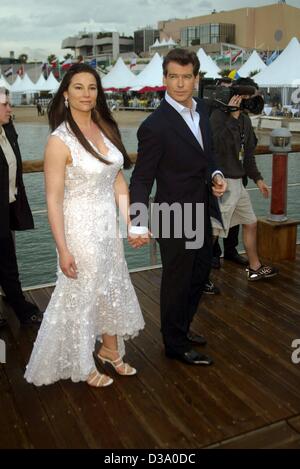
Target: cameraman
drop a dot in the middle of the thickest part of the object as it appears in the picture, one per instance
(234, 144)
(231, 242)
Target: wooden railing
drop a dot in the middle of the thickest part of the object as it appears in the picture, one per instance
(37, 166)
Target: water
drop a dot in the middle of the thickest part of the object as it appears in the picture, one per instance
(35, 248)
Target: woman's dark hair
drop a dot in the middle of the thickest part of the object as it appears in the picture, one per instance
(101, 115)
(182, 57)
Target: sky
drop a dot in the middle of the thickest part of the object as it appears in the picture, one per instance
(37, 27)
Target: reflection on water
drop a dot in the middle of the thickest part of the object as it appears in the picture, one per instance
(35, 248)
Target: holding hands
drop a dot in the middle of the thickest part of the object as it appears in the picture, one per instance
(138, 236)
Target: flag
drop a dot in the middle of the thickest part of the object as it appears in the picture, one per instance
(233, 75)
(67, 64)
(8, 72)
(236, 56)
(132, 62)
(45, 69)
(272, 57)
(93, 63)
(20, 71)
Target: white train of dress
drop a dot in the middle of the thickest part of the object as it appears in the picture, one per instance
(102, 299)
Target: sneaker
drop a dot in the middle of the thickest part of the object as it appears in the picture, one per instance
(210, 288)
(264, 271)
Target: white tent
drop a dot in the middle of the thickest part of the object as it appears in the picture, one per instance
(16, 87)
(26, 85)
(207, 65)
(40, 84)
(284, 71)
(119, 77)
(171, 42)
(151, 76)
(51, 84)
(4, 83)
(156, 44)
(253, 64)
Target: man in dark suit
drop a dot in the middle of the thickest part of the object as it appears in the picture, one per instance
(15, 214)
(174, 148)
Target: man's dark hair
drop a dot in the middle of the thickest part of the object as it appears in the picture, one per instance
(247, 81)
(181, 57)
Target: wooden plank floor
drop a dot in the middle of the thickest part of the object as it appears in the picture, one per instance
(250, 397)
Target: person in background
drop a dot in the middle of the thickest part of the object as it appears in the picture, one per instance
(15, 214)
(234, 144)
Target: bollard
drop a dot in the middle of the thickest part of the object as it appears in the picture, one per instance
(280, 146)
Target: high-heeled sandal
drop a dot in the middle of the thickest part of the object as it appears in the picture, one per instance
(117, 364)
(99, 380)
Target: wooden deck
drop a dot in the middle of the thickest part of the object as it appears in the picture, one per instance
(250, 397)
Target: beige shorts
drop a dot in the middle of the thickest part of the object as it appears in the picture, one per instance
(236, 208)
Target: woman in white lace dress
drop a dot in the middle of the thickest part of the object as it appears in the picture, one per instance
(93, 297)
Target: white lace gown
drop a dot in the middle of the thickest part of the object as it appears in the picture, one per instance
(102, 299)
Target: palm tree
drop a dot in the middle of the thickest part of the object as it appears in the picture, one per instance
(23, 58)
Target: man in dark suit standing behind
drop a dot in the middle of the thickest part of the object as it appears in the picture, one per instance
(15, 214)
(174, 148)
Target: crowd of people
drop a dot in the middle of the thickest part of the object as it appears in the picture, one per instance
(199, 161)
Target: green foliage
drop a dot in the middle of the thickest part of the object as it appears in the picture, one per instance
(225, 72)
(51, 58)
(254, 72)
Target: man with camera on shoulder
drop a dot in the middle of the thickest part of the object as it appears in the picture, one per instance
(234, 145)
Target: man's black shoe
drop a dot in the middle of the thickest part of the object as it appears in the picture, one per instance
(216, 263)
(211, 289)
(191, 358)
(196, 339)
(35, 318)
(237, 259)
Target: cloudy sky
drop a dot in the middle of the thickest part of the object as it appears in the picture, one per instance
(37, 27)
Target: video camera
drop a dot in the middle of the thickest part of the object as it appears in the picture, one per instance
(218, 96)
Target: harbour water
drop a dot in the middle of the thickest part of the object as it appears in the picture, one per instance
(35, 248)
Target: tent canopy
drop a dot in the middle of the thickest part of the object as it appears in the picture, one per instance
(207, 65)
(119, 77)
(4, 83)
(151, 78)
(253, 64)
(16, 87)
(27, 86)
(51, 84)
(40, 84)
(284, 71)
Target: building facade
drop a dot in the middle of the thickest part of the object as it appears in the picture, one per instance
(144, 38)
(267, 27)
(208, 33)
(104, 46)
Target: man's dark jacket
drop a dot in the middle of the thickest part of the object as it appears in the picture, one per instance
(15, 216)
(172, 155)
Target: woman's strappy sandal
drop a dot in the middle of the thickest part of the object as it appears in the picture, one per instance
(99, 380)
(119, 366)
